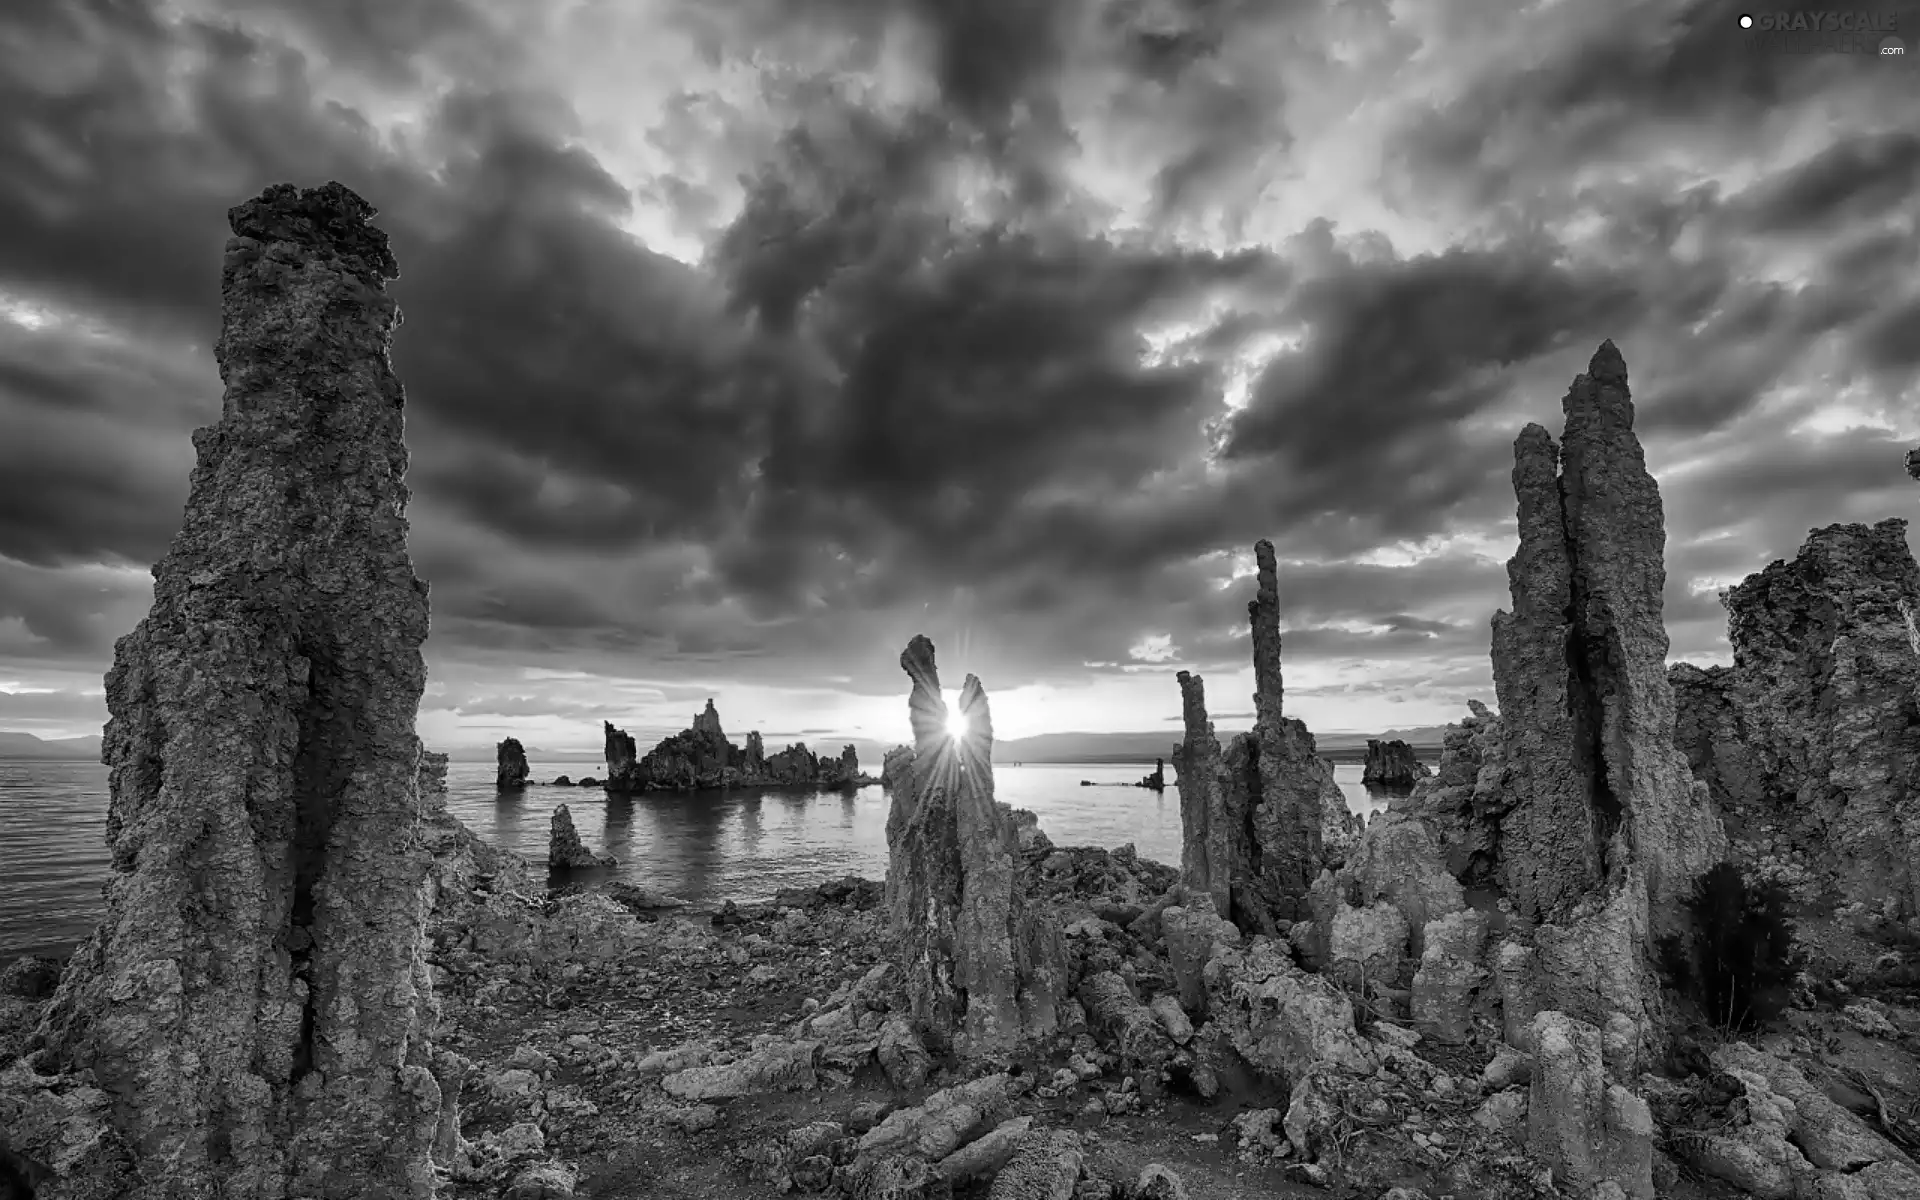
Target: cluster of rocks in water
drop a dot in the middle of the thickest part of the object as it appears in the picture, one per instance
(313, 981)
(1392, 765)
(700, 758)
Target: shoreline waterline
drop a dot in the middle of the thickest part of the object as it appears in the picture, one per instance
(703, 847)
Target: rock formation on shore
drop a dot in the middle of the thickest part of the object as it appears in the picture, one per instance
(268, 879)
(700, 758)
(565, 851)
(510, 775)
(1810, 742)
(1580, 669)
(982, 971)
(896, 767)
(1158, 780)
(1392, 764)
(1260, 821)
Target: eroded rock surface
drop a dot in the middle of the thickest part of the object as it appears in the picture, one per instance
(268, 872)
(565, 851)
(981, 971)
(511, 770)
(897, 765)
(1811, 740)
(1580, 669)
(1262, 819)
(1392, 764)
(700, 758)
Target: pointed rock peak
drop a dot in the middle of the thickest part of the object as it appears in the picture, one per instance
(1608, 366)
(1263, 613)
(708, 721)
(330, 219)
(928, 708)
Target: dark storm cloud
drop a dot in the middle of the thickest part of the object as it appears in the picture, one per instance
(999, 66)
(85, 487)
(1397, 357)
(73, 613)
(533, 322)
(1585, 96)
(1890, 340)
(983, 379)
(1853, 179)
(991, 58)
(383, 38)
(113, 199)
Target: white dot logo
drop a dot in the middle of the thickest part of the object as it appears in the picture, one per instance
(1746, 21)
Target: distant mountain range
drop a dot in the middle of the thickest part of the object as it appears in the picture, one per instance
(1145, 747)
(25, 745)
(1042, 748)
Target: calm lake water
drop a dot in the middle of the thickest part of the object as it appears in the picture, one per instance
(703, 848)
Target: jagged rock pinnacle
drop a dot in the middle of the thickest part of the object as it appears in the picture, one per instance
(266, 884)
(1263, 613)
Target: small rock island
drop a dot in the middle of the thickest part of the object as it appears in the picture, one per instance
(700, 758)
(1392, 765)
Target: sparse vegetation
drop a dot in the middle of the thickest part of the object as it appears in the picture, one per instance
(1740, 959)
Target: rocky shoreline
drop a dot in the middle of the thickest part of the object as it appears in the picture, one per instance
(1648, 931)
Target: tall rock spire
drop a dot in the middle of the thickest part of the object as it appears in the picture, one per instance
(254, 1001)
(980, 969)
(1580, 669)
(1263, 614)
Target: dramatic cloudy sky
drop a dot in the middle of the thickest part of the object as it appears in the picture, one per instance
(746, 338)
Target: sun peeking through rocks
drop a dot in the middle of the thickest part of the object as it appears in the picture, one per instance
(948, 740)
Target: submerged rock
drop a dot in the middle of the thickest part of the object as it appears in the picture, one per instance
(565, 851)
(265, 793)
(510, 774)
(1392, 764)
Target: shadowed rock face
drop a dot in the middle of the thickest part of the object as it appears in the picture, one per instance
(897, 766)
(1392, 764)
(1812, 738)
(510, 774)
(1580, 669)
(1263, 614)
(1464, 801)
(1260, 821)
(621, 756)
(565, 851)
(979, 971)
(1212, 811)
(253, 1003)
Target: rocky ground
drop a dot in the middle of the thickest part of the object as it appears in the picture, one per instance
(628, 1052)
(625, 1052)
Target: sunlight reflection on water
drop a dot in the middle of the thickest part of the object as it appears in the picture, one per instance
(703, 848)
